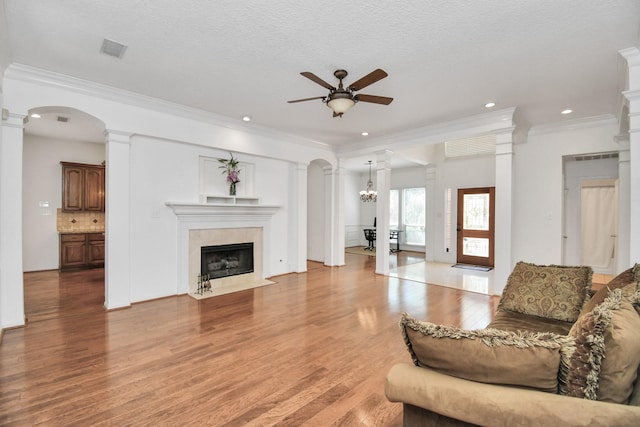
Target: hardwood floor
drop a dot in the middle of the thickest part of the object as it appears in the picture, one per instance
(312, 349)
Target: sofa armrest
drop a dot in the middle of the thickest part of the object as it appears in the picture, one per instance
(489, 404)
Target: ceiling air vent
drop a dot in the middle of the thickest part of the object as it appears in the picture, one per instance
(476, 146)
(112, 48)
(63, 119)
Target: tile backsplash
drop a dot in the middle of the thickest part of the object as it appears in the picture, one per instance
(79, 221)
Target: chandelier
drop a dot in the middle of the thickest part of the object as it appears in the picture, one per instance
(369, 195)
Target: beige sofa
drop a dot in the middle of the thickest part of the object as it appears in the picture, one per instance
(556, 353)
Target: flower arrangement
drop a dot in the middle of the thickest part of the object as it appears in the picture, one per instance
(230, 168)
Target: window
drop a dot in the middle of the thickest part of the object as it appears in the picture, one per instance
(407, 213)
(394, 210)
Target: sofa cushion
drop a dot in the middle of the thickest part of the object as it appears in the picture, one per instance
(628, 276)
(551, 291)
(512, 321)
(492, 356)
(605, 363)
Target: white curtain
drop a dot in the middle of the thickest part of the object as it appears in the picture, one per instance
(598, 226)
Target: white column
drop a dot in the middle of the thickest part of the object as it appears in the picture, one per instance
(117, 290)
(504, 201)
(430, 214)
(634, 177)
(339, 230)
(11, 283)
(329, 217)
(632, 56)
(624, 192)
(299, 239)
(383, 186)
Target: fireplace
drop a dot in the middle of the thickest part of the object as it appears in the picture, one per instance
(226, 260)
(201, 224)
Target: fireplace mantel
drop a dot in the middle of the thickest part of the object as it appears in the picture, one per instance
(205, 217)
(185, 209)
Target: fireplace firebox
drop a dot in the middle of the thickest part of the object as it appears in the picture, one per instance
(226, 260)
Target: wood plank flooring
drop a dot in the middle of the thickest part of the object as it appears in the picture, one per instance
(311, 350)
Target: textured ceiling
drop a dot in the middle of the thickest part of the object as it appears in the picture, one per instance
(445, 59)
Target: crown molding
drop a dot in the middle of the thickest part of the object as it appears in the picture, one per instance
(491, 122)
(28, 74)
(631, 55)
(570, 125)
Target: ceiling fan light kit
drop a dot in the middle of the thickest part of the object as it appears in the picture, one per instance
(341, 99)
(340, 105)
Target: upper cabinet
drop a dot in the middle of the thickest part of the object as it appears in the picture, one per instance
(82, 187)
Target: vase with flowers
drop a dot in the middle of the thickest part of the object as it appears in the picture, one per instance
(230, 168)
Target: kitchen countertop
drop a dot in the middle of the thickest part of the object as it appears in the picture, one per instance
(80, 231)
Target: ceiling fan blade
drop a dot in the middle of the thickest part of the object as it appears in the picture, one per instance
(373, 98)
(306, 99)
(317, 79)
(369, 79)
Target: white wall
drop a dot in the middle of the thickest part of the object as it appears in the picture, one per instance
(164, 171)
(4, 44)
(538, 187)
(42, 181)
(163, 166)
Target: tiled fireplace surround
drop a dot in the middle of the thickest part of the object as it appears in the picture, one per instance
(205, 224)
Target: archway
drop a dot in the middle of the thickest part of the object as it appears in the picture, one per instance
(53, 134)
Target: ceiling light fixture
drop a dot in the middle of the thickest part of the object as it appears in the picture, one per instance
(341, 98)
(35, 115)
(365, 134)
(490, 104)
(567, 111)
(340, 103)
(369, 195)
(246, 118)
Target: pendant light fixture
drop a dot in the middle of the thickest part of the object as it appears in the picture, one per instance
(369, 195)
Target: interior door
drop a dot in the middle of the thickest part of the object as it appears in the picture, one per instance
(476, 225)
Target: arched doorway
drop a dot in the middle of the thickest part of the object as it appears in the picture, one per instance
(54, 134)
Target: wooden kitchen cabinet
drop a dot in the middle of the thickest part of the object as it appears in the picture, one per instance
(95, 249)
(82, 187)
(81, 250)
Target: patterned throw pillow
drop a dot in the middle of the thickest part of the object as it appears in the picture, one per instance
(550, 291)
(620, 281)
(524, 359)
(605, 363)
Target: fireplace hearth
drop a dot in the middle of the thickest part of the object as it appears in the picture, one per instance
(226, 260)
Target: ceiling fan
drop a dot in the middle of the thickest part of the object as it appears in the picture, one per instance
(340, 99)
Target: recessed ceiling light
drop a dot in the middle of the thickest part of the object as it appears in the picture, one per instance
(35, 115)
(490, 104)
(567, 111)
(364, 133)
(246, 118)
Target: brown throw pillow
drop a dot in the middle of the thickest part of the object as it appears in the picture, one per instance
(620, 281)
(605, 363)
(523, 359)
(550, 291)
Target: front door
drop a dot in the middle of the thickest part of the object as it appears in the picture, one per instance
(476, 223)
